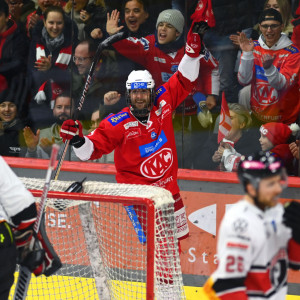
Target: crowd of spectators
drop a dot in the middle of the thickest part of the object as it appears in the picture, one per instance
(250, 54)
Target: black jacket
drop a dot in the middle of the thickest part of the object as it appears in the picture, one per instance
(13, 50)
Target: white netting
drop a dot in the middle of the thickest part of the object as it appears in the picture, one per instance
(99, 247)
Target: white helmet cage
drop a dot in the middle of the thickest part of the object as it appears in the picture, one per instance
(140, 79)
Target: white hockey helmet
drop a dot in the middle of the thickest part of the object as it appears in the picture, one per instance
(140, 79)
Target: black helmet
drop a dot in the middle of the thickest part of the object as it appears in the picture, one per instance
(258, 166)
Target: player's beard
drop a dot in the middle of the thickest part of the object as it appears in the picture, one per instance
(61, 118)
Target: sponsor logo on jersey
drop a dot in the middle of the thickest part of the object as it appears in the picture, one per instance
(165, 76)
(138, 85)
(149, 149)
(260, 73)
(237, 245)
(158, 112)
(153, 135)
(162, 103)
(174, 68)
(267, 94)
(160, 91)
(166, 111)
(292, 49)
(240, 225)
(283, 55)
(161, 60)
(133, 133)
(158, 164)
(131, 124)
(116, 119)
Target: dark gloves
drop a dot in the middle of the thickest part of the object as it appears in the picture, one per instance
(72, 130)
(194, 44)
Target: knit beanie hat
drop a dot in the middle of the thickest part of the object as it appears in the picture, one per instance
(7, 95)
(173, 17)
(278, 133)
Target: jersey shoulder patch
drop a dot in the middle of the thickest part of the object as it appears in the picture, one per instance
(118, 118)
(161, 90)
(292, 49)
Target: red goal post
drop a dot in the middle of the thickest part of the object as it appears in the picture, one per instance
(96, 241)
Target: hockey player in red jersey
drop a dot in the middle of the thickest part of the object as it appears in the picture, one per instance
(258, 239)
(271, 65)
(142, 133)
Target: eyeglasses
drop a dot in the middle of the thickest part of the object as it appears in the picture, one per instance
(80, 59)
(272, 26)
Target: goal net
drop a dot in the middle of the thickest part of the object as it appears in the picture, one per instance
(116, 241)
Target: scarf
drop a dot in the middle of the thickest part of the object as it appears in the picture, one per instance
(52, 44)
(63, 58)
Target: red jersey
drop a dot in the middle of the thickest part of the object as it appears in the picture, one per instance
(144, 153)
(274, 92)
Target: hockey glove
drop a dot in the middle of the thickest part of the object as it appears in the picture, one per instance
(291, 218)
(23, 234)
(38, 256)
(194, 44)
(72, 130)
(24, 237)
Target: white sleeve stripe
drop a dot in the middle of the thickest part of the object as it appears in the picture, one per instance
(189, 67)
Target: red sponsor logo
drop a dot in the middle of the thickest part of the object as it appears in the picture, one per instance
(157, 164)
(166, 111)
(133, 133)
(237, 245)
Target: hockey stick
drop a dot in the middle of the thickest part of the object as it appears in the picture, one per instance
(136, 223)
(103, 45)
(24, 273)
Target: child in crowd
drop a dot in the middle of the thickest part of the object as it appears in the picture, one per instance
(276, 137)
(241, 140)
